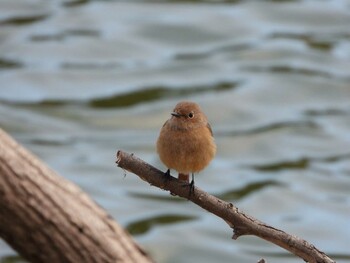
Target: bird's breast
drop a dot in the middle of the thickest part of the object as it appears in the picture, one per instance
(186, 150)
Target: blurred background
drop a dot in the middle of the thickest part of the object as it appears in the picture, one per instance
(81, 79)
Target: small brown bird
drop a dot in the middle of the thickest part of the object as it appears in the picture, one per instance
(186, 141)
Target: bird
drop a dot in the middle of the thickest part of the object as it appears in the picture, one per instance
(186, 143)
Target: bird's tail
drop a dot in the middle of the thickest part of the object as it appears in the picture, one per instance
(184, 177)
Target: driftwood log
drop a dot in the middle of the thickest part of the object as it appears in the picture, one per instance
(49, 219)
(241, 223)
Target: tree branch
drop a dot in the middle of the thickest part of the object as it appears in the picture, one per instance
(46, 218)
(242, 223)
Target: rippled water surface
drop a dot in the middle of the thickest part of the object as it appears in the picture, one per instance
(81, 79)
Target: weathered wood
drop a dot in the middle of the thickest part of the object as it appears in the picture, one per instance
(46, 218)
(241, 223)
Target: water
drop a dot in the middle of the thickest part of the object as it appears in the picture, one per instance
(82, 79)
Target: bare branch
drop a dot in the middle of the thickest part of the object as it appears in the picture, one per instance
(242, 223)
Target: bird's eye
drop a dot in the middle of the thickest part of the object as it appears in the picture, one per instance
(191, 115)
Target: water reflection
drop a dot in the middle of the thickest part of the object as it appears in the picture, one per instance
(235, 195)
(145, 225)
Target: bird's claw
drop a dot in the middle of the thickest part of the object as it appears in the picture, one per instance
(167, 173)
(191, 186)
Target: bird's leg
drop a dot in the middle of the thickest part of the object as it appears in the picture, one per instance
(167, 176)
(167, 173)
(192, 185)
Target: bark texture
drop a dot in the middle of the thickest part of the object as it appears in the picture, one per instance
(241, 223)
(49, 219)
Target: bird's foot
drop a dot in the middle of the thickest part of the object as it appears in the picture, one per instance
(191, 186)
(167, 173)
(167, 176)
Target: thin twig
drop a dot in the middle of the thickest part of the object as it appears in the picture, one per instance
(241, 223)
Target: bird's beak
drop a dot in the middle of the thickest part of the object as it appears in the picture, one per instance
(176, 114)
